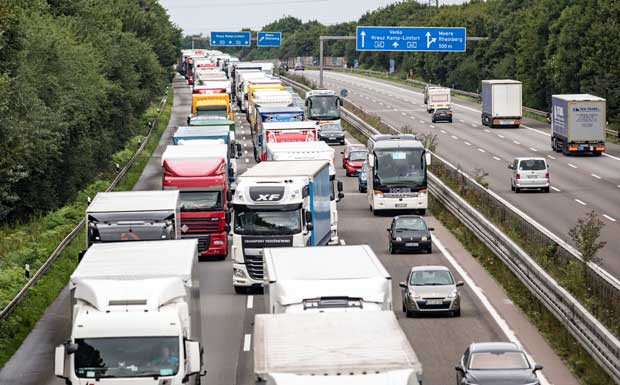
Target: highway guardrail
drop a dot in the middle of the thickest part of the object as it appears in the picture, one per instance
(12, 305)
(602, 345)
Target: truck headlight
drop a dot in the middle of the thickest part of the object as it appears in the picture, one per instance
(238, 273)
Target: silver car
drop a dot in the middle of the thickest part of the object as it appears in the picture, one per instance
(431, 289)
(529, 173)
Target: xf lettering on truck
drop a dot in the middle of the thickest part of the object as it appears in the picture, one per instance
(268, 197)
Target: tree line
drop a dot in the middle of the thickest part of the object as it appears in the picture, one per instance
(552, 46)
(75, 78)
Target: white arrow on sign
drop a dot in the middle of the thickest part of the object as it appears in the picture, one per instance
(261, 38)
(429, 41)
(395, 45)
(362, 35)
(229, 41)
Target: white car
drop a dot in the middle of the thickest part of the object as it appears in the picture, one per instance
(529, 173)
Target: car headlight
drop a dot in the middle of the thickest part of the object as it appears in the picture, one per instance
(453, 294)
(398, 239)
(424, 238)
(413, 295)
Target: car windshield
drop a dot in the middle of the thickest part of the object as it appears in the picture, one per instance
(331, 127)
(532, 165)
(410, 224)
(200, 200)
(358, 155)
(127, 357)
(498, 361)
(324, 107)
(431, 278)
(399, 166)
(277, 222)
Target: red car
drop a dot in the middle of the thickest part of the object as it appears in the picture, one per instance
(348, 149)
(355, 160)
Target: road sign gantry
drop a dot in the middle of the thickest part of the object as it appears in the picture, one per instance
(411, 39)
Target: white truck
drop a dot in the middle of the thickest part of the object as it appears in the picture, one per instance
(578, 124)
(135, 317)
(501, 103)
(334, 348)
(438, 97)
(277, 204)
(297, 280)
(312, 151)
(133, 216)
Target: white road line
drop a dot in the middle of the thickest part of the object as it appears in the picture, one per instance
(481, 150)
(611, 156)
(247, 161)
(247, 342)
(342, 242)
(580, 202)
(608, 217)
(497, 158)
(461, 120)
(467, 143)
(413, 117)
(533, 149)
(500, 136)
(572, 165)
(443, 132)
(551, 156)
(250, 301)
(555, 189)
(596, 176)
(421, 122)
(381, 103)
(431, 126)
(515, 142)
(503, 325)
(246, 152)
(454, 137)
(485, 130)
(243, 138)
(473, 125)
(404, 113)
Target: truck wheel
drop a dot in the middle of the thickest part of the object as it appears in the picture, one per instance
(597, 153)
(546, 189)
(241, 290)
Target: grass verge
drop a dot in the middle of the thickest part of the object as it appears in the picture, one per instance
(583, 366)
(33, 242)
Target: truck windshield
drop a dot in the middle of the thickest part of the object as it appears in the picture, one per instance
(201, 200)
(277, 222)
(215, 111)
(127, 357)
(324, 107)
(399, 167)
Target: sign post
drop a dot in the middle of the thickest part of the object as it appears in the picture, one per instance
(230, 39)
(411, 39)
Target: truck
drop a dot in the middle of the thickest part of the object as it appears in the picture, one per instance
(297, 280)
(132, 216)
(267, 98)
(312, 151)
(397, 178)
(205, 121)
(501, 103)
(280, 132)
(438, 97)
(204, 196)
(253, 85)
(275, 206)
(217, 105)
(202, 149)
(335, 348)
(135, 316)
(323, 106)
(578, 124)
(427, 88)
(243, 75)
(212, 86)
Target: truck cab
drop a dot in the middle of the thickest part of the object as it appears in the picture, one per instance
(281, 132)
(213, 104)
(267, 98)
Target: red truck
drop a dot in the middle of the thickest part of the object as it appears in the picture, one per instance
(204, 200)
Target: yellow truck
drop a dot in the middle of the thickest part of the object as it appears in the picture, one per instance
(215, 105)
(260, 85)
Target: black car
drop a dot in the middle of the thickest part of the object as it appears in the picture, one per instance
(442, 115)
(331, 133)
(299, 67)
(283, 66)
(409, 233)
(489, 363)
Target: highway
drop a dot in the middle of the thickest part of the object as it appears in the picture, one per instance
(579, 184)
(487, 314)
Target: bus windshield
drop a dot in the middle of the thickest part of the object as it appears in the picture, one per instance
(399, 168)
(324, 107)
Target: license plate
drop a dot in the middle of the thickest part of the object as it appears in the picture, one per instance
(531, 176)
(507, 121)
(434, 302)
(400, 205)
(411, 244)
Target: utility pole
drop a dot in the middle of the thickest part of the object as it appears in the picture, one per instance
(321, 39)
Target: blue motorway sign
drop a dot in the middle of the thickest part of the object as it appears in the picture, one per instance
(268, 39)
(230, 39)
(429, 39)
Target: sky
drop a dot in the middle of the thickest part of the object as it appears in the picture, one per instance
(203, 16)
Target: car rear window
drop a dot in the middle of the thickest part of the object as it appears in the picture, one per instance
(498, 361)
(532, 165)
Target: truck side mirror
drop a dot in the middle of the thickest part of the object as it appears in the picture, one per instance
(427, 156)
(81, 255)
(510, 166)
(193, 357)
(459, 368)
(59, 361)
(229, 195)
(309, 226)
(227, 217)
(227, 228)
(340, 195)
(340, 102)
(339, 185)
(239, 150)
(403, 285)
(308, 217)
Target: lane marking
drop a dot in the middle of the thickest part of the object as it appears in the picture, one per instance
(515, 142)
(431, 126)
(247, 342)
(467, 143)
(479, 293)
(572, 165)
(413, 117)
(473, 125)
(533, 149)
(500, 136)
(481, 150)
(454, 137)
(485, 130)
(555, 189)
(608, 217)
(421, 122)
(596, 176)
(404, 113)
(246, 152)
(461, 120)
(551, 156)
(497, 158)
(443, 132)
(247, 160)
(342, 242)
(250, 301)
(580, 202)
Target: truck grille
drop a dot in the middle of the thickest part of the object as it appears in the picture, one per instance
(201, 225)
(254, 264)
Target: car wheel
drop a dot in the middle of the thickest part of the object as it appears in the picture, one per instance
(342, 143)
(456, 313)
(391, 248)
(404, 307)
(429, 250)
(546, 189)
(348, 173)
(433, 120)
(410, 314)
(241, 290)
(450, 121)
(517, 190)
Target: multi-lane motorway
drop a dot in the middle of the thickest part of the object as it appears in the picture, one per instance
(578, 184)
(487, 314)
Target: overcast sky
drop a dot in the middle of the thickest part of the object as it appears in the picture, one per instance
(203, 16)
